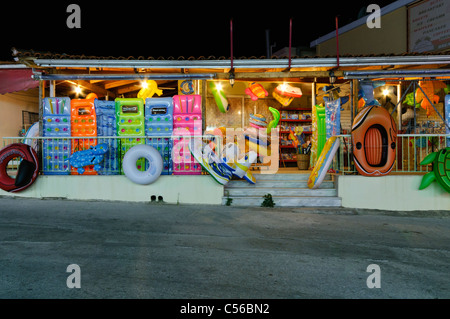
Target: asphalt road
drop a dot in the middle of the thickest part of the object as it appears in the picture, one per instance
(159, 251)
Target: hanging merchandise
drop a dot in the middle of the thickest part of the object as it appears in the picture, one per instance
(428, 88)
(447, 117)
(150, 88)
(219, 97)
(283, 99)
(333, 118)
(256, 91)
(441, 169)
(365, 93)
(288, 90)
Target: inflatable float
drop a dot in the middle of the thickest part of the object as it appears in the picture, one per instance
(206, 157)
(441, 169)
(239, 168)
(374, 138)
(90, 157)
(256, 91)
(287, 90)
(33, 131)
(219, 97)
(135, 154)
(323, 163)
(28, 167)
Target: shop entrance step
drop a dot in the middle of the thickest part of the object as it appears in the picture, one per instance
(287, 190)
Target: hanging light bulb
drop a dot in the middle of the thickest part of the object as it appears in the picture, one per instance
(78, 90)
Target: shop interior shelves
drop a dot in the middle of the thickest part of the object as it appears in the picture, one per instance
(291, 118)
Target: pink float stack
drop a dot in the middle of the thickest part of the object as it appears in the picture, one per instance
(187, 122)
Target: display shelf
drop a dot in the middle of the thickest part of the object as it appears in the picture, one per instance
(291, 118)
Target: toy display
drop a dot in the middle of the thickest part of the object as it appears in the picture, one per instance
(90, 157)
(106, 126)
(130, 122)
(83, 123)
(219, 97)
(134, 155)
(28, 168)
(441, 169)
(56, 124)
(323, 163)
(256, 91)
(187, 117)
(159, 126)
(374, 137)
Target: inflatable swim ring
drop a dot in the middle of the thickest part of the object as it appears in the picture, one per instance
(92, 156)
(374, 138)
(323, 163)
(154, 159)
(257, 121)
(28, 168)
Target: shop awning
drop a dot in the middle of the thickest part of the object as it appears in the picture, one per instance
(16, 79)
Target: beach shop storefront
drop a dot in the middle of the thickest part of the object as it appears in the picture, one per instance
(281, 96)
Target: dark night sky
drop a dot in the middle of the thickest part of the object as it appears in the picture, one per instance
(169, 28)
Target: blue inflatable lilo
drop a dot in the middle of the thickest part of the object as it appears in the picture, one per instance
(92, 156)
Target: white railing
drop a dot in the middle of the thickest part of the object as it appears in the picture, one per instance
(411, 149)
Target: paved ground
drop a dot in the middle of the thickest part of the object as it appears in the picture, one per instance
(130, 250)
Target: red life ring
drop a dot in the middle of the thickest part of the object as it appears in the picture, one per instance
(374, 138)
(28, 168)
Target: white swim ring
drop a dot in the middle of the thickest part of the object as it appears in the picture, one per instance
(155, 164)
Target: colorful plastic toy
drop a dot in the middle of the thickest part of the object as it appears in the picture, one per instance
(187, 122)
(283, 99)
(90, 157)
(374, 138)
(441, 169)
(132, 159)
(323, 163)
(83, 123)
(276, 119)
(256, 91)
(428, 87)
(56, 124)
(106, 126)
(150, 88)
(208, 159)
(159, 126)
(130, 122)
(219, 97)
(286, 89)
(257, 121)
(28, 168)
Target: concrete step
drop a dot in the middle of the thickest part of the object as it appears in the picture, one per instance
(286, 201)
(285, 177)
(275, 184)
(279, 191)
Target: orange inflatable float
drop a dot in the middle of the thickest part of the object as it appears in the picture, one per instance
(374, 140)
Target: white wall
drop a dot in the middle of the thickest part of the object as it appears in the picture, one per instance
(392, 192)
(11, 107)
(183, 189)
